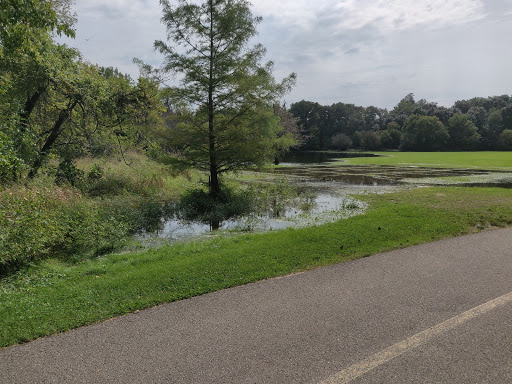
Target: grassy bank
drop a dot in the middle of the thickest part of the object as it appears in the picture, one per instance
(482, 160)
(55, 296)
(109, 200)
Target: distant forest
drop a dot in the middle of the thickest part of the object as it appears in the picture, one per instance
(475, 124)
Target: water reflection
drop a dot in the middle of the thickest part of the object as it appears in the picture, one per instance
(324, 194)
(326, 206)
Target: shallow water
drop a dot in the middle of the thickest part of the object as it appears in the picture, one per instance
(327, 193)
(325, 207)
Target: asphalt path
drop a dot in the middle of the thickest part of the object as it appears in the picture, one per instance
(434, 313)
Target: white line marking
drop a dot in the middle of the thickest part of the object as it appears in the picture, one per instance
(364, 366)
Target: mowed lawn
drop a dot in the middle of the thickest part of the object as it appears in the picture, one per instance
(482, 160)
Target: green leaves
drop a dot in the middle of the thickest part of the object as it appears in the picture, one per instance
(10, 164)
(225, 121)
(424, 133)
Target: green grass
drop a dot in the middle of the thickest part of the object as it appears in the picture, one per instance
(53, 296)
(482, 160)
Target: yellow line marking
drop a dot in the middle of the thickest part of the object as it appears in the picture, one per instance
(364, 366)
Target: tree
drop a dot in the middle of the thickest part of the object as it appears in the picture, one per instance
(505, 140)
(226, 96)
(290, 136)
(506, 114)
(478, 115)
(386, 140)
(403, 109)
(423, 133)
(369, 140)
(341, 142)
(308, 115)
(390, 138)
(493, 129)
(27, 51)
(463, 133)
(22, 22)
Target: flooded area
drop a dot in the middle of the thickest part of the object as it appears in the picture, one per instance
(381, 175)
(320, 157)
(326, 193)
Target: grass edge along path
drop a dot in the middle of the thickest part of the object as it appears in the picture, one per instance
(56, 297)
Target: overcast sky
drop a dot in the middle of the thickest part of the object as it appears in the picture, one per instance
(365, 52)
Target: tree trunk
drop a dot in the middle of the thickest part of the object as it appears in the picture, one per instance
(30, 104)
(50, 140)
(214, 187)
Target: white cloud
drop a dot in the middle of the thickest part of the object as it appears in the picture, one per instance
(385, 15)
(367, 52)
(124, 9)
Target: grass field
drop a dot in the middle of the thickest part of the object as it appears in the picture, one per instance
(483, 160)
(55, 296)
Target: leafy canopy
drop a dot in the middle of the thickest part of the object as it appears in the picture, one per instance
(225, 96)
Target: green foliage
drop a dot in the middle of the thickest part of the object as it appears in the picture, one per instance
(10, 165)
(490, 116)
(37, 302)
(67, 172)
(386, 140)
(42, 220)
(463, 133)
(390, 138)
(505, 140)
(341, 142)
(423, 133)
(369, 140)
(225, 101)
(36, 224)
(198, 205)
(290, 135)
(23, 21)
(96, 173)
(393, 126)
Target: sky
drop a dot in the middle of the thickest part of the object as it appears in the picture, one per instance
(363, 52)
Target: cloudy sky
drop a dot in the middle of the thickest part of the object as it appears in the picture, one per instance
(366, 52)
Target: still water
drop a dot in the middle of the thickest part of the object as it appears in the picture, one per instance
(326, 193)
(321, 199)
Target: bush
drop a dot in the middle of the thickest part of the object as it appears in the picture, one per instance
(198, 205)
(67, 172)
(10, 165)
(505, 140)
(341, 142)
(37, 224)
(369, 140)
(424, 134)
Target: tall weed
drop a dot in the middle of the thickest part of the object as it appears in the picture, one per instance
(36, 223)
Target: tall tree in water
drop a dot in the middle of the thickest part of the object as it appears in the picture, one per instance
(226, 120)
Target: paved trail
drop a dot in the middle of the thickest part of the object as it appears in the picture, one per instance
(434, 313)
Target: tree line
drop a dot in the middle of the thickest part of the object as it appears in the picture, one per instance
(475, 124)
(223, 113)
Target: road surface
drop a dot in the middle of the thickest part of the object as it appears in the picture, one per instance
(434, 313)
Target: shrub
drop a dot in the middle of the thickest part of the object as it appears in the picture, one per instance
(198, 205)
(505, 140)
(341, 142)
(67, 172)
(10, 165)
(40, 223)
(369, 140)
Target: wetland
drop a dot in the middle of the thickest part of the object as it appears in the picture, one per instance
(315, 188)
